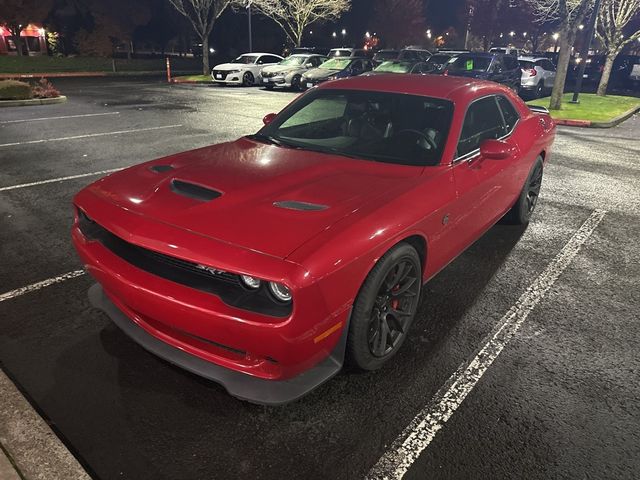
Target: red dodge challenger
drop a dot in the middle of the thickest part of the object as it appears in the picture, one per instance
(266, 263)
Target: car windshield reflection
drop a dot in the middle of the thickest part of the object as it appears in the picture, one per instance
(387, 127)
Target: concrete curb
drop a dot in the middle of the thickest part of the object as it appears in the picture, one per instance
(37, 453)
(190, 82)
(589, 124)
(33, 101)
(142, 73)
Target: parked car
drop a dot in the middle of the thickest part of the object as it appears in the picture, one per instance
(496, 67)
(538, 75)
(438, 61)
(634, 73)
(400, 66)
(335, 68)
(244, 70)
(385, 55)
(262, 263)
(414, 54)
(506, 50)
(288, 73)
(620, 71)
(349, 52)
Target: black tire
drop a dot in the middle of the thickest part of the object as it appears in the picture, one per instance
(248, 79)
(296, 83)
(268, 87)
(539, 90)
(386, 304)
(521, 212)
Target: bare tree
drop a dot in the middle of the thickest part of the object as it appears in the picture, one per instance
(202, 14)
(613, 17)
(17, 14)
(570, 14)
(293, 16)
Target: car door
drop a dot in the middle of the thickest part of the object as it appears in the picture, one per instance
(482, 185)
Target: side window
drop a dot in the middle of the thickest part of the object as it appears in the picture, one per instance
(357, 67)
(497, 67)
(483, 121)
(317, 61)
(509, 112)
(511, 62)
(549, 66)
(270, 59)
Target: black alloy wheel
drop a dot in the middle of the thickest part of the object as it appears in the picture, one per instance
(521, 212)
(539, 90)
(247, 79)
(533, 187)
(296, 83)
(385, 308)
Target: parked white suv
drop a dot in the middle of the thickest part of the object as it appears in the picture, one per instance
(244, 70)
(538, 75)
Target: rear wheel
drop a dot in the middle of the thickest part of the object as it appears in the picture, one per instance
(385, 308)
(539, 90)
(521, 212)
(248, 79)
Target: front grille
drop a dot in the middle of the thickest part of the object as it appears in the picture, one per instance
(227, 286)
(220, 72)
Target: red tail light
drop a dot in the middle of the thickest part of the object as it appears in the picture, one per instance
(531, 71)
(446, 73)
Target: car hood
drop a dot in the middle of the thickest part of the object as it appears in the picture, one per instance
(233, 66)
(282, 68)
(319, 73)
(250, 178)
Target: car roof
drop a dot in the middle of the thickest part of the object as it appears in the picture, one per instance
(437, 86)
(258, 53)
(532, 59)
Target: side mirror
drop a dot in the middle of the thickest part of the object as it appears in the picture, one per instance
(308, 65)
(496, 149)
(269, 117)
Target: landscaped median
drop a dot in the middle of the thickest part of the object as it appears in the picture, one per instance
(592, 111)
(14, 93)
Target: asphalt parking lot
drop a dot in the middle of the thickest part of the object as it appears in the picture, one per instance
(558, 400)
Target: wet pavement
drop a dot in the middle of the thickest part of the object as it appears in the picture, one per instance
(560, 402)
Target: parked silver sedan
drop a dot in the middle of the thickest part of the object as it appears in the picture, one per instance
(538, 75)
(288, 73)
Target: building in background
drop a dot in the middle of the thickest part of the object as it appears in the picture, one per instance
(33, 41)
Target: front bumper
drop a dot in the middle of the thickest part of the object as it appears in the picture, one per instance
(242, 386)
(278, 81)
(234, 78)
(199, 323)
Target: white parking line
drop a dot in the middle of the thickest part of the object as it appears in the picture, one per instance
(133, 130)
(421, 431)
(59, 179)
(41, 119)
(37, 286)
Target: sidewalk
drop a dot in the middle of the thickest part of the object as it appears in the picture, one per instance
(30, 450)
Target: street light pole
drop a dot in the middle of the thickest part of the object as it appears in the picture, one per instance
(584, 54)
(250, 29)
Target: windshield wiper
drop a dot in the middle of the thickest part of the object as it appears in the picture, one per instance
(270, 139)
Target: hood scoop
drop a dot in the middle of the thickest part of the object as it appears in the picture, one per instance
(193, 191)
(302, 206)
(161, 168)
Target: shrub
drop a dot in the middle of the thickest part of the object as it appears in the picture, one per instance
(14, 90)
(44, 89)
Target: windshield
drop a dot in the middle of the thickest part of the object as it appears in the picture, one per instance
(395, 67)
(336, 64)
(467, 63)
(386, 55)
(340, 53)
(387, 127)
(246, 59)
(294, 60)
